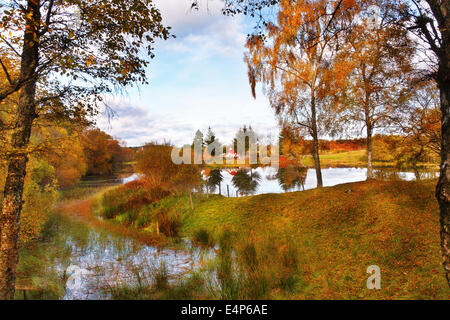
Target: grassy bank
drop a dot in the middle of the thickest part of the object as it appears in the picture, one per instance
(323, 240)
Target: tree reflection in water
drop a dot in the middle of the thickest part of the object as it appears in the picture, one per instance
(214, 180)
(246, 181)
(292, 177)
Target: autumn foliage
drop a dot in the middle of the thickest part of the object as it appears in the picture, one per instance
(155, 163)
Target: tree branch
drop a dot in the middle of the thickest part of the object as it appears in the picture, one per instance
(48, 17)
(8, 77)
(10, 45)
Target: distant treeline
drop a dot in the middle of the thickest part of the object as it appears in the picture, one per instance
(342, 145)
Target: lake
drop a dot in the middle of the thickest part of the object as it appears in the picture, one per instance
(271, 181)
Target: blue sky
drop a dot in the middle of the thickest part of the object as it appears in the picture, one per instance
(197, 80)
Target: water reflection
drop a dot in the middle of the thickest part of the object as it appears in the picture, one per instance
(292, 178)
(394, 174)
(251, 181)
(214, 180)
(246, 181)
(131, 178)
(111, 262)
(289, 179)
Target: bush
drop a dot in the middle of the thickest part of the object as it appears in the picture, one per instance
(155, 162)
(203, 237)
(161, 277)
(169, 222)
(131, 216)
(129, 198)
(144, 219)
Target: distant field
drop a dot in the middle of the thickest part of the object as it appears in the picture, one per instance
(342, 159)
(330, 235)
(352, 158)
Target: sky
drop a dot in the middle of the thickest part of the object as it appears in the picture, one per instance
(197, 80)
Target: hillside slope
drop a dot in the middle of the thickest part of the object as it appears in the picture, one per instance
(337, 233)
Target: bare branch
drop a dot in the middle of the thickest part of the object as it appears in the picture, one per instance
(47, 19)
(5, 70)
(10, 45)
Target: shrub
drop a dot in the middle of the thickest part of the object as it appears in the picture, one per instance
(131, 216)
(161, 277)
(169, 222)
(203, 237)
(155, 162)
(144, 219)
(129, 197)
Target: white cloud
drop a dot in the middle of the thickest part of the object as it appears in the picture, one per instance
(197, 80)
(136, 125)
(205, 32)
(183, 20)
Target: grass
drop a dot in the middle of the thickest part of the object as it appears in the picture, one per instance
(203, 237)
(86, 189)
(188, 288)
(319, 243)
(352, 159)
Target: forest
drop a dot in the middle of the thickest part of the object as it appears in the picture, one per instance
(355, 178)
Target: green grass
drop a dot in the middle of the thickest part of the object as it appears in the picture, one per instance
(203, 237)
(332, 234)
(352, 159)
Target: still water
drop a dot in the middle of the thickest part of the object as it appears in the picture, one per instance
(100, 263)
(271, 179)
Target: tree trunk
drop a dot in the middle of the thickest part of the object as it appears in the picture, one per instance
(190, 200)
(416, 169)
(441, 11)
(369, 152)
(443, 187)
(316, 158)
(26, 113)
(316, 149)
